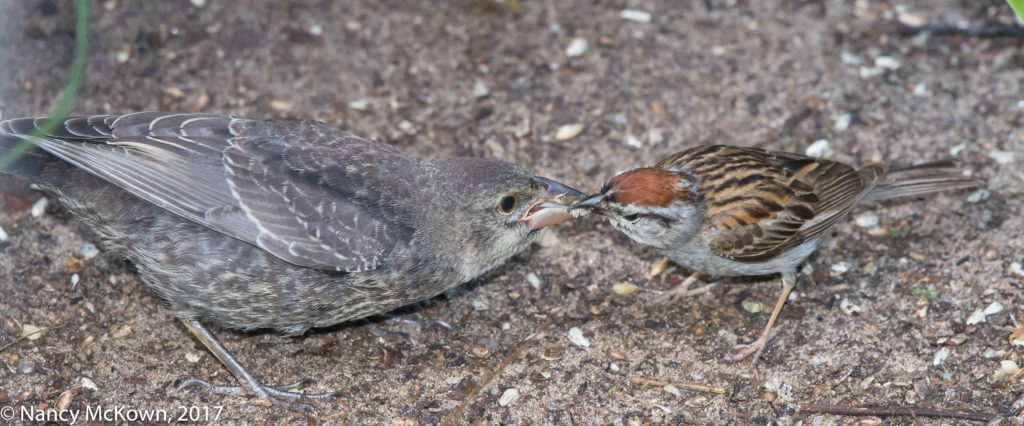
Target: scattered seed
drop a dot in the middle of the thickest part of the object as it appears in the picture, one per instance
(915, 255)
(480, 351)
(624, 288)
(752, 306)
(1007, 367)
(568, 131)
(619, 356)
(359, 104)
(911, 19)
(672, 390)
(658, 267)
(577, 338)
(64, 400)
(31, 332)
(534, 280)
(280, 105)
(38, 208)
(192, 357)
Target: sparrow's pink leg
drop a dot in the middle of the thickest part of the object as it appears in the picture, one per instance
(679, 291)
(755, 347)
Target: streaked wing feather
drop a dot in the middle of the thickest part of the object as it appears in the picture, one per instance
(762, 203)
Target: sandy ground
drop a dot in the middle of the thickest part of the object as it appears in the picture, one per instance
(916, 311)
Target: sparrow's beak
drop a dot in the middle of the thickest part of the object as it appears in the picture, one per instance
(592, 202)
(551, 207)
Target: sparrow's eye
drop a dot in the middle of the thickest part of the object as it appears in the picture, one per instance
(631, 217)
(507, 204)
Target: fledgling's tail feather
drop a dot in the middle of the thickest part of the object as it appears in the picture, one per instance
(22, 159)
(923, 179)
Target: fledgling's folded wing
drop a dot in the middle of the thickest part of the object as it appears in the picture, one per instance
(303, 191)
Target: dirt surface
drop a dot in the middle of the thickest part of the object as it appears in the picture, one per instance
(882, 317)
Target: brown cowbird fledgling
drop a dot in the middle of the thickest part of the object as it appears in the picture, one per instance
(732, 211)
(282, 225)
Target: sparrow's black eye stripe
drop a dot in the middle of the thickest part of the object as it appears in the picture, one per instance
(636, 216)
(631, 217)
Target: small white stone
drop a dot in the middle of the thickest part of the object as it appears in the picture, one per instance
(577, 47)
(198, 3)
(887, 62)
(842, 121)
(548, 238)
(1017, 269)
(870, 72)
(89, 251)
(633, 141)
(978, 316)
(1001, 157)
(1007, 367)
(820, 149)
(359, 104)
(534, 280)
(88, 384)
(957, 149)
(192, 357)
(849, 308)
(979, 195)
(841, 267)
(994, 308)
(316, 29)
(849, 58)
(577, 338)
(718, 50)
(509, 397)
(752, 306)
(122, 56)
(479, 305)
(407, 127)
(614, 368)
(674, 391)
(38, 208)
(911, 19)
(74, 280)
(921, 89)
(635, 15)
(480, 89)
(506, 326)
(941, 356)
(568, 131)
(655, 136)
(992, 353)
(867, 220)
(3, 234)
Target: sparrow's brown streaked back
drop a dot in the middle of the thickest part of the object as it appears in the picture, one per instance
(730, 211)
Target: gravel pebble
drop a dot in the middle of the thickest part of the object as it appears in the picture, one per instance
(887, 62)
(509, 397)
(842, 121)
(25, 366)
(577, 47)
(480, 89)
(3, 234)
(994, 308)
(568, 131)
(841, 268)
(921, 90)
(89, 251)
(670, 389)
(1001, 157)
(192, 357)
(849, 308)
(820, 149)
(533, 279)
(577, 338)
(359, 104)
(941, 355)
(978, 316)
(979, 195)
(633, 141)
(88, 384)
(1017, 269)
(635, 15)
(752, 306)
(867, 220)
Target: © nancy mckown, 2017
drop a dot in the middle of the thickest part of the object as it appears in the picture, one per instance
(886, 316)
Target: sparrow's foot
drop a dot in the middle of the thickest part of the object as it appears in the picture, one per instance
(407, 328)
(280, 396)
(681, 290)
(754, 349)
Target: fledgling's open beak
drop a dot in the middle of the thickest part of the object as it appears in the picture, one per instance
(551, 207)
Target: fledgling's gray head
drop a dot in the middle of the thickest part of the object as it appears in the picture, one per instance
(652, 206)
(484, 211)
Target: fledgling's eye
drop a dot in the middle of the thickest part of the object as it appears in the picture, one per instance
(631, 217)
(507, 204)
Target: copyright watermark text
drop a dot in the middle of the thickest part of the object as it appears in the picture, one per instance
(106, 413)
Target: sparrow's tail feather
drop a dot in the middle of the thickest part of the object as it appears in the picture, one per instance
(923, 179)
(22, 159)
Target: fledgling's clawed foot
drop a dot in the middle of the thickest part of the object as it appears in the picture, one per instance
(277, 395)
